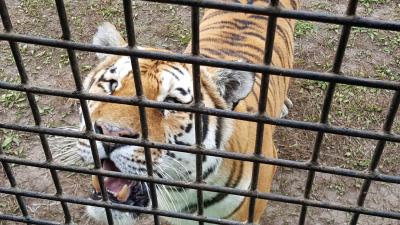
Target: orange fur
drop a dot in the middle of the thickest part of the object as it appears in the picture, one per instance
(230, 36)
(222, 37)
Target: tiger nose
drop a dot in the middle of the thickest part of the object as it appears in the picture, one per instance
(114, 130)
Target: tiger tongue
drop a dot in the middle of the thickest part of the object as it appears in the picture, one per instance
(115, 185)
(120, 188)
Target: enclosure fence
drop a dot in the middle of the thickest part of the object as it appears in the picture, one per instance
(273, 11)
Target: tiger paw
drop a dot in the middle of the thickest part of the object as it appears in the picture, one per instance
(285, 108)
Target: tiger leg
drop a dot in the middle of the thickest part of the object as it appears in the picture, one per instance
(285, 108)
(265, 178)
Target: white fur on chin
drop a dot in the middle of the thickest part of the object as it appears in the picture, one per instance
(119, 218)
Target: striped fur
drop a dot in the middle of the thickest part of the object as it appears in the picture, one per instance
(224, 35)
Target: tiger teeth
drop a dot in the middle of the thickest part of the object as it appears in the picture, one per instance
(96, 183)
(123, 194)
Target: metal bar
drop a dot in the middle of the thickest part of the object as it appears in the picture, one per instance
(340, 51)
(27, 220)
(139, 93)
(13, 184)
(278, 162)
(195, 20)
(294, 73)
(262, 106)
(387, 126)
(62, 15)
(36, 116)
(194, 185)
(291, 14)
(267, 196)
(5, 18)
(312, 166)
(204, 110)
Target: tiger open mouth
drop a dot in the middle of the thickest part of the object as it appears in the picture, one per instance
(120, 190)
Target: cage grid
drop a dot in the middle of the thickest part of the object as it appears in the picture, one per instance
(273, 11)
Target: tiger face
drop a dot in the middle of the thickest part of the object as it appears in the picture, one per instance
(163, 82)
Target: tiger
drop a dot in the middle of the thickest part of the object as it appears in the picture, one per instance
(224, 35)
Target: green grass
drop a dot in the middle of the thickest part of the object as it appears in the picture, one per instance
(10, 143)
(369, 4)
(303, 28)
(10, 99)
(178, 33)
(384, 72)
(34, 7)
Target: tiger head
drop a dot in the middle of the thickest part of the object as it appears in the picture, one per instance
(164, 82)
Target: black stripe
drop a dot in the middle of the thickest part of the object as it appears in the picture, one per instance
(180, 142)
(215, 27)
(254, 34)
(206, 55)
(234, 211)
(188, 128)
(279, 52)
(233, 43)
(84, 144)
(205, 126)
(233, 36)
(293, 4)
(289, 24)
(255, 94)
(235, 185)
(209, 171)
(103, 88)
(102, 78)
(213, 14)
(172, 73)
(182, 91)
(91, 82)
(248, 23)
(237, 181)
(258, 17)
(237, 26)
(218, 133)
(285, 36)
(231, 52)
(177, 69)
(220, 196)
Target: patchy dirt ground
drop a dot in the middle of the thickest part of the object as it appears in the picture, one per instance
(371, 53)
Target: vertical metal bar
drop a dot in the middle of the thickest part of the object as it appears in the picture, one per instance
(12, 181)
(387, 126)
(142, 111)
(85, 109)
(197, 100)
(262, 105)
(34, 108)
(340, 51)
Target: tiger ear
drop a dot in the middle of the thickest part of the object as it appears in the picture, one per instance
(234, 85)
(107, 35)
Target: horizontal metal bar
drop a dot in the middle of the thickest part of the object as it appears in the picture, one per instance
(28, 220)
(268, 196)
(294, 73)
(204, 110)
(231, 155)
(109, 205)
(285, 13)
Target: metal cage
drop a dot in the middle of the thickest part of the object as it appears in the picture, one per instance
(322, 127)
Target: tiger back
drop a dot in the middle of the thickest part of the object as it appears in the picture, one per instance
(234, 36)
